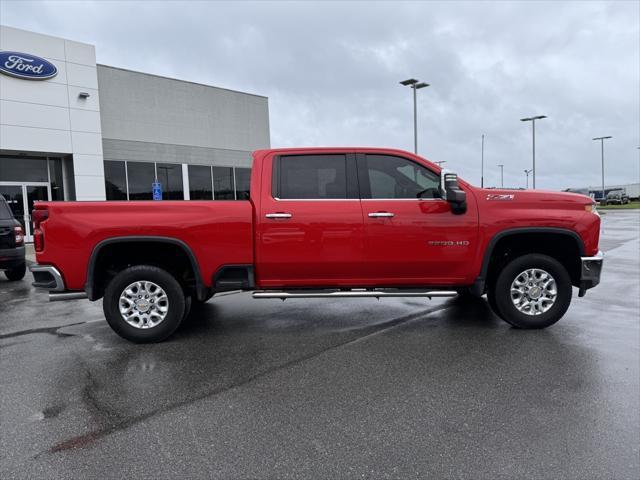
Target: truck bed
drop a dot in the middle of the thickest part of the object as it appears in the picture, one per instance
(217, 232)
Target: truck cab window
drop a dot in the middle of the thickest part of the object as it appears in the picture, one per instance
(389, 177)
(312, 177)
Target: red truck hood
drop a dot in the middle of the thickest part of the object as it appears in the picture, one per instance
(502, 209)
(541, 196)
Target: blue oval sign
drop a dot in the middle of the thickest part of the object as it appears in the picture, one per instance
(24, 65)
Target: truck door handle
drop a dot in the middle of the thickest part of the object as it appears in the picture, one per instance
(380, 214)
(278, 215)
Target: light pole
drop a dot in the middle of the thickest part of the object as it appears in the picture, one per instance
(415, 85)
(501, 175)
(482, 164)
(527, 172)
(533, 130)
(440, 162)
(602, 139)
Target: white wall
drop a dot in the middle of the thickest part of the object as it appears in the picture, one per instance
(148, 108)
(47, 115)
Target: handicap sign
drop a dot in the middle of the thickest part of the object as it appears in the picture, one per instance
(157, 190)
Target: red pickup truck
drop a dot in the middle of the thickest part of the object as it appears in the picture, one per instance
(323, 222)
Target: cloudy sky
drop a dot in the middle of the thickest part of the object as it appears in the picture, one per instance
(331, 72)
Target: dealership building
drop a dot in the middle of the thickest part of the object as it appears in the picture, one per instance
(71, 129)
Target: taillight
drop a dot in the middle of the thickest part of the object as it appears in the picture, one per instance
(38, 240)
(38, 216)
(18, 235)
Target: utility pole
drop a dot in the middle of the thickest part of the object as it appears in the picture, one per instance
(602, 139)
(415, 85)
(533, 130)
(482, 164)
(501, 175)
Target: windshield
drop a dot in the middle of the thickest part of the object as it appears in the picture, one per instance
(5, 211)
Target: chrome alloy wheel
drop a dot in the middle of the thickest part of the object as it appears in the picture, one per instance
(143, 304)
(534, 291)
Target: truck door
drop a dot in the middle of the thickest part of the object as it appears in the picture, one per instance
(411, 236)
(309, 225)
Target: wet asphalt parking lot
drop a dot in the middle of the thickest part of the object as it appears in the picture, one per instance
(397, 388)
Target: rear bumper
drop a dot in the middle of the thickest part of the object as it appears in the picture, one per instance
(11, 257)
(590, 270)
(47, 277)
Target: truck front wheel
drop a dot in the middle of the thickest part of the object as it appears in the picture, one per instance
(144, 304)
(532, 291)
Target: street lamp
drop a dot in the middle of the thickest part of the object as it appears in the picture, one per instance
(415, 85)
(602, 139)
(482, 164)
(527, 172)
(501, 175)
(440, 162)
(533, 129)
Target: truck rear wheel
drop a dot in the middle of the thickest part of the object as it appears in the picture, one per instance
(532, 291)
(144, 304)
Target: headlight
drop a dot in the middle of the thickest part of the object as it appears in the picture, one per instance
(591, 209)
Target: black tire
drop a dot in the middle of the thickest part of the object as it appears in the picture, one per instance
(16, 273)
(502, 291)
(188, 301)
(175, 296)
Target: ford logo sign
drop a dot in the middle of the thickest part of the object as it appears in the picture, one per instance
(24, 65)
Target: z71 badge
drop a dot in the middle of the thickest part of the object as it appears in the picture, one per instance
(500, 196)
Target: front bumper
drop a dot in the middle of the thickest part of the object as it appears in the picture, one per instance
(48, 277)
(11, 257)
(590, 270)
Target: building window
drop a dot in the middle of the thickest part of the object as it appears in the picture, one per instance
(223, 185)
(115, 180)
(23, 169)
(55, 178)
(243, 181)
(170, 177)
(200, 186)
(141, 177)
(205, 182)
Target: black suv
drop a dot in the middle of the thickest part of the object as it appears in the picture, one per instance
(12, 259)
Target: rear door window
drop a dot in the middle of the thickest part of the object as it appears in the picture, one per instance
(319, 177)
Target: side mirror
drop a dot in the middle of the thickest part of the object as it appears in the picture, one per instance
(452, 193)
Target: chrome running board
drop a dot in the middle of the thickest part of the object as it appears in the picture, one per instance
(352, 293)
(55, 297)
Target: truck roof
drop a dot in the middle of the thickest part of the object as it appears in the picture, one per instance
(308, 150)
